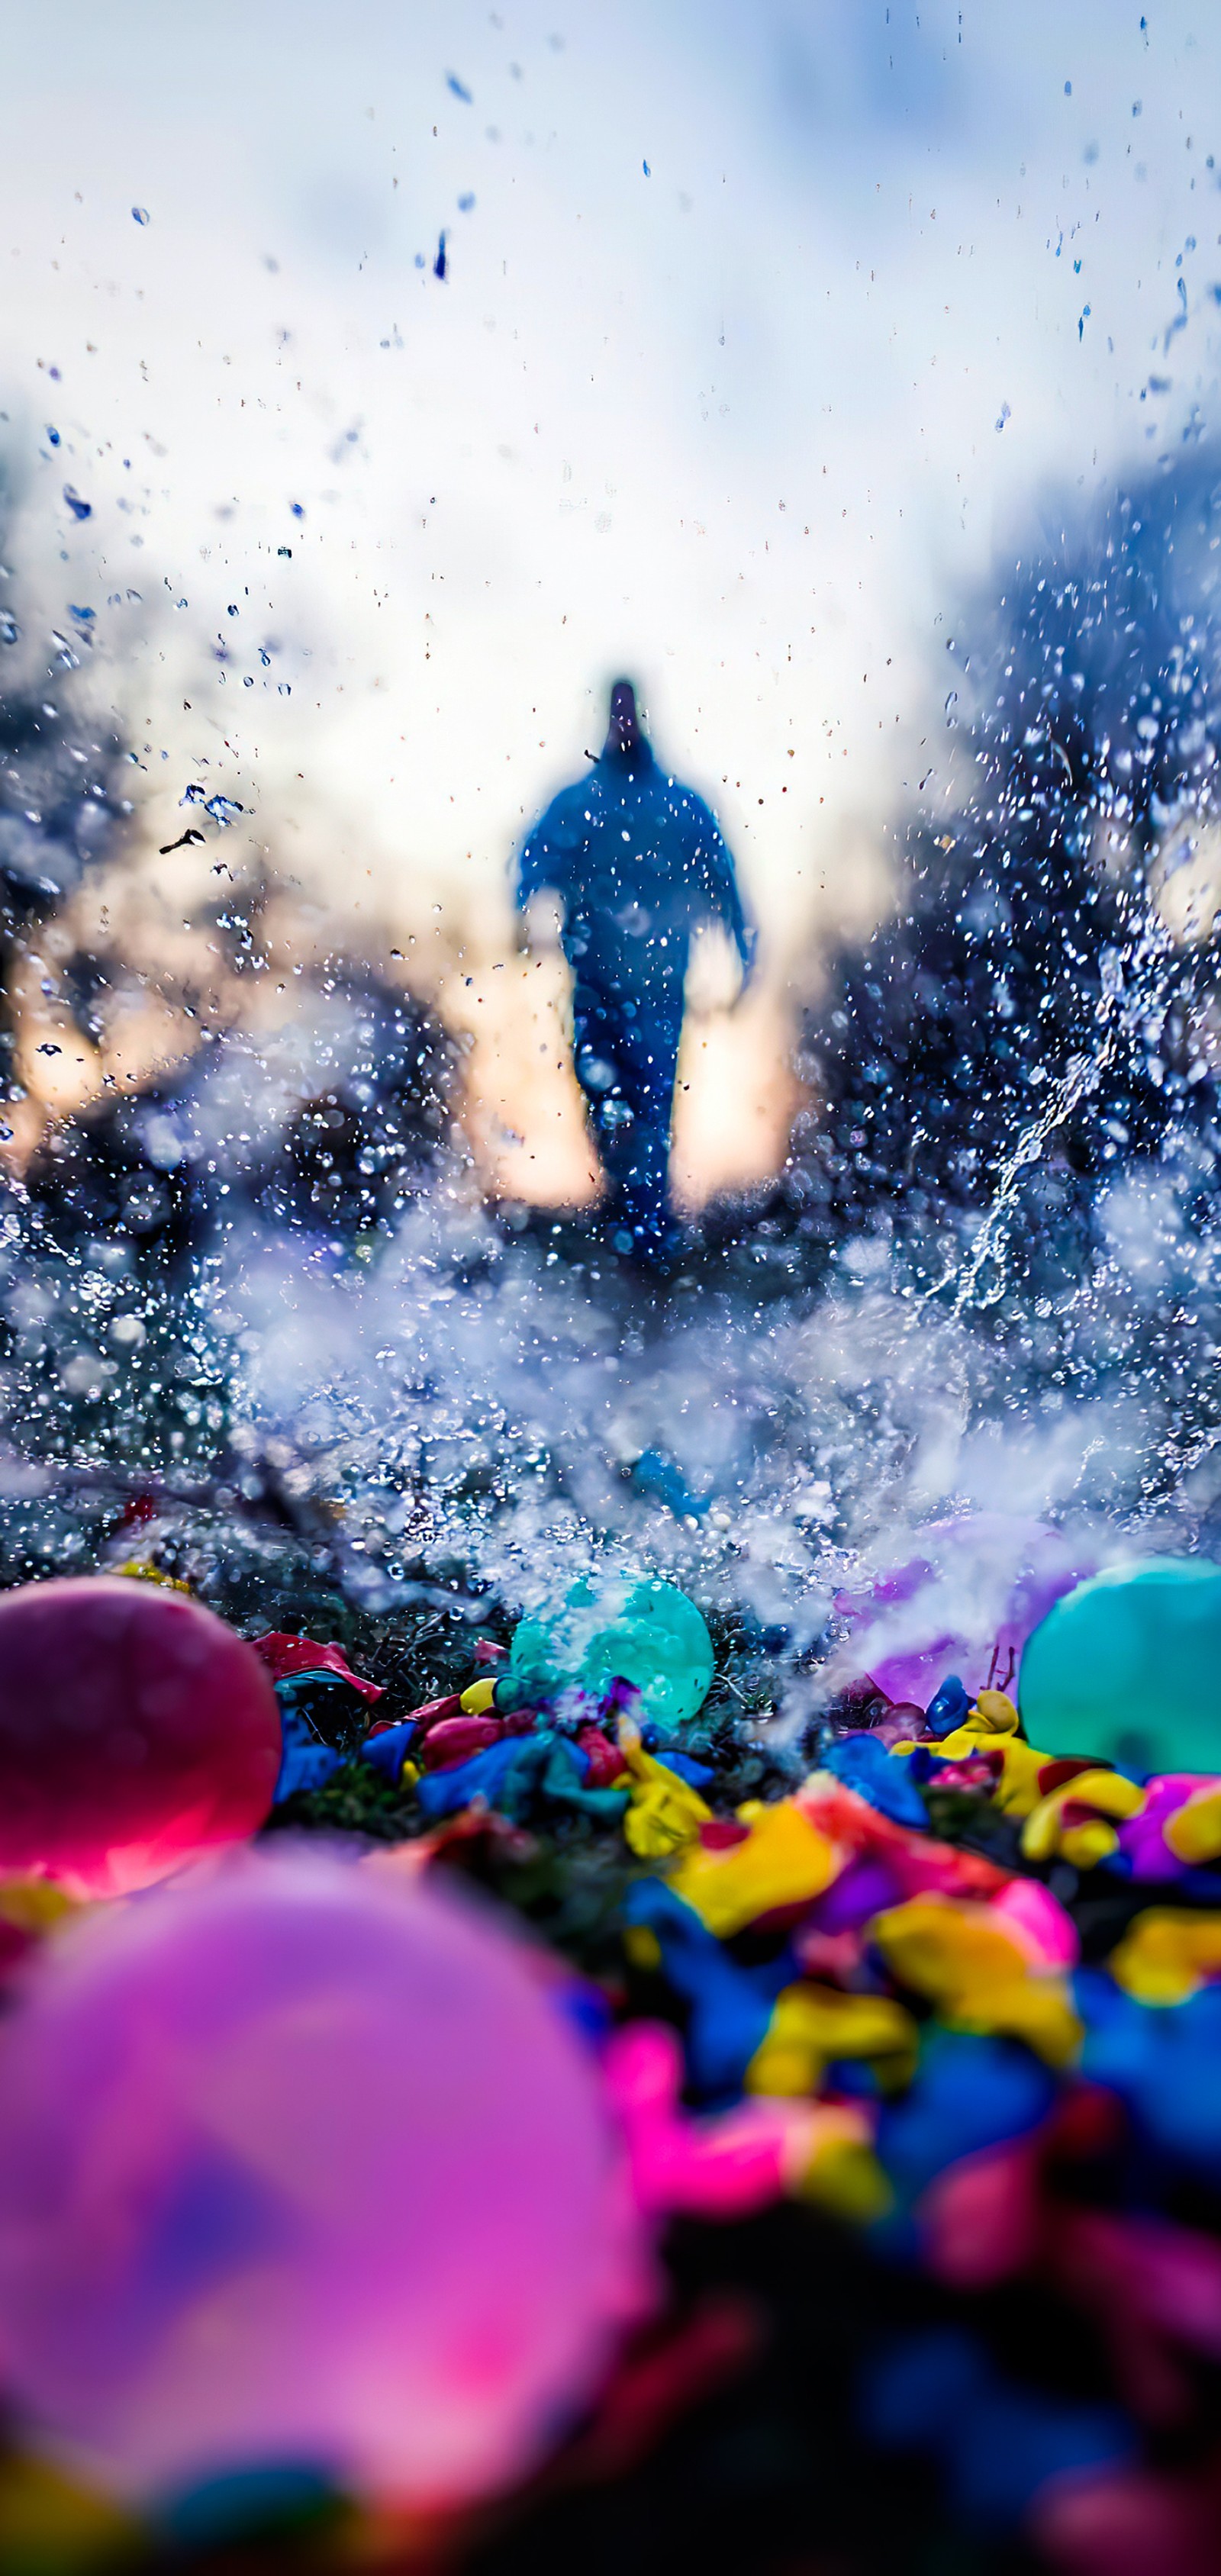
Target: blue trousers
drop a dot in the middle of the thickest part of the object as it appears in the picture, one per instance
(626, 1055)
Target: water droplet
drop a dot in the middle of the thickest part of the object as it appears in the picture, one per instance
(80, 509)
(140, 214)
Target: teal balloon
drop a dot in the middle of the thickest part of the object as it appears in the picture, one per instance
(532, 1667)
(658, 1641)
(1128, 1669)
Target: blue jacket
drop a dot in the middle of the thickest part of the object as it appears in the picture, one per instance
(639, 864)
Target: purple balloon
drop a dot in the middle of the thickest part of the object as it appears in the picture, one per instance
(964, 1600)
(301, 2166)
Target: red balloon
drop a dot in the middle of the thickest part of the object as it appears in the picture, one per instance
(135, 1729)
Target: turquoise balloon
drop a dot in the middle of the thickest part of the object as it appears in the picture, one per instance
(533, 1667)
(661, 1643)
(1128, 1668)
(658, 1641)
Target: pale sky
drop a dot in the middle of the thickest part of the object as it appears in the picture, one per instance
(763, 327)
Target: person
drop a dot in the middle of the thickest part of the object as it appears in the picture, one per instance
(637, 864)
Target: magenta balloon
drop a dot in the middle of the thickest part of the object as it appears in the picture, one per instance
(135, 1729)
(963, 1600)
(302, 2167)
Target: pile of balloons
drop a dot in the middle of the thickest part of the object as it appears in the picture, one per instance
(309, 2165)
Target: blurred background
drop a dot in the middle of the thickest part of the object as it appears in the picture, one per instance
(376, 383)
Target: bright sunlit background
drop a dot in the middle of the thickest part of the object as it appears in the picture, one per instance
(431, 363)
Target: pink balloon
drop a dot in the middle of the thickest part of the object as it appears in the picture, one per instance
(720, 2167)
(135, 1729)
(963, 1599)
(301, 2166)
(1040, 1925)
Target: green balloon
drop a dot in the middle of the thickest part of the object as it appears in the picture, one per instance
(1128, 1668)
(658, 1640)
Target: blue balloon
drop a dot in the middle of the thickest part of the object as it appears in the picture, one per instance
(937, 2390)
(949, 1705)
(969, 2093)
(1164, 2062)
(863, 1763)
(730, 2005)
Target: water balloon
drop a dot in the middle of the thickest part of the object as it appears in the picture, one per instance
(135, 1729)
(305, 2167)
(1125, 1668)
(644, 1632)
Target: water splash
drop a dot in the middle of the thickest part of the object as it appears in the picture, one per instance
(991, 1273)
(989, 1249)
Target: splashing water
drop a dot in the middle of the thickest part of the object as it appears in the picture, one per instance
(990, 1245)
(988, 1278)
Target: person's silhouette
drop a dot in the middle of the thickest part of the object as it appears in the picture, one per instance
(638, 864)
